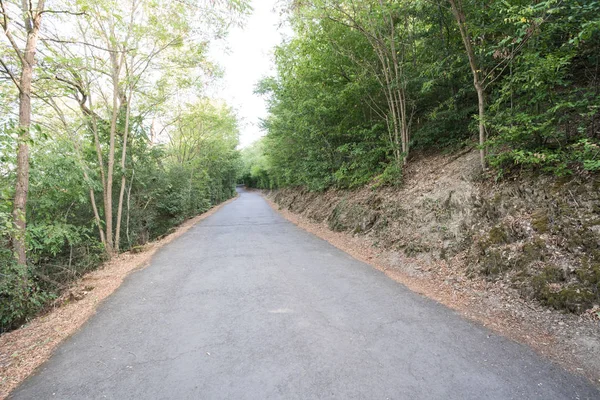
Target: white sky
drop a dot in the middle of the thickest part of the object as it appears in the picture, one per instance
(246, 57)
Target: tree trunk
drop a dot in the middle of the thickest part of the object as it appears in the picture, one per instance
(123, 170)
(482, 135)
(108, 206)
(22, 185)
(129, 207)
(91, 193)
(477, 82)
(32, 25)
(399, 82)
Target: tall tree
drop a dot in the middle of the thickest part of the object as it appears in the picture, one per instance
(459, 15)
(122, 57)
(378, 23)
(25, 55)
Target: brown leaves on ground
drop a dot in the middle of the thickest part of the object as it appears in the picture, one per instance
(26, 348)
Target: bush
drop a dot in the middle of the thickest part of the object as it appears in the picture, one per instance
(20, 297)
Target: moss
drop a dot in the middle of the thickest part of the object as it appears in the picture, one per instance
(550, 289)
(414, 248)
(560, 182)
(497, 200)
(532, 251)
(580, 238)
(550, 274)
(540, 221)
(589, 274)
(334, 221)
(520, 276)
(497, 235)
(573, 298)
(494, 263)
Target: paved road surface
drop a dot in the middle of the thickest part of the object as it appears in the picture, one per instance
(247, 306)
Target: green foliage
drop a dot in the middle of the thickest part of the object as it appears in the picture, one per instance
(19, 296)
(545, 107)
(255, 170)
(329, 125)
(391, 176)
(587, 153)
(584, 154)
(321, 132)
(165, 185)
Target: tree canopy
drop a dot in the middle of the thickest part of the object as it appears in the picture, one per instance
(363, 84)
(107, 136)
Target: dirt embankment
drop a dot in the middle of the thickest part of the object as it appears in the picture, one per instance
(522, 256)
(26, 348)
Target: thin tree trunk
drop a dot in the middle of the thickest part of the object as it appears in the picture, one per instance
(22, 185)
(477, 82)
(190, 189)
(482, 135)
(391, 102)
(108, 206)
(98, 148)
(123, 170)
(92, 198)
(129, 207)
(401, 96)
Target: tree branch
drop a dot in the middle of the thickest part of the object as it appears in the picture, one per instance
(9, 35)
(12, 77)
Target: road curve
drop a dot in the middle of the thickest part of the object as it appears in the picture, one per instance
(246, 305)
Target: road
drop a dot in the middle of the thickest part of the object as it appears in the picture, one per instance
(246, 305)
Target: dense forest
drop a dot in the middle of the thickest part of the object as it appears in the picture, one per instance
(364, 85)
(107, 137)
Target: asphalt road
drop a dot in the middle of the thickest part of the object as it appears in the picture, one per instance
(246, 305)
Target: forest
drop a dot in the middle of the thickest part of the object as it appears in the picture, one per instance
(365, 86)
(108, 138)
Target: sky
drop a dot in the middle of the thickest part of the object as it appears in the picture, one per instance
(246, 56)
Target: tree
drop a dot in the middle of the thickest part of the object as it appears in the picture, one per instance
(377, 22)
(102, 179)
(25, 55)
(509, 35)
(123, 50)
(459, 15)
